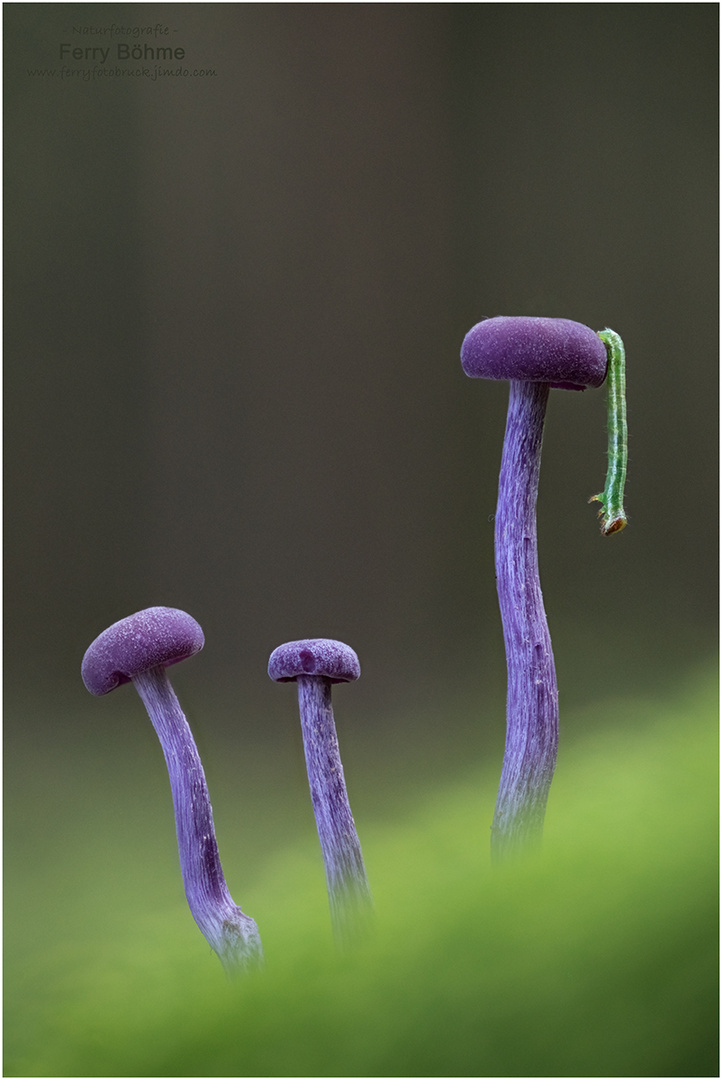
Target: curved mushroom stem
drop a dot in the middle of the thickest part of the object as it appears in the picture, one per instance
(532, 710)
(348, 888)
(229, 932)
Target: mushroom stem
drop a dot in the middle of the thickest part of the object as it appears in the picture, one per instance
(532, 711)
(348, 888)
(230, 933)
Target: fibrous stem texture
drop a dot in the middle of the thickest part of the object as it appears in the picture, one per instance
(232, 934)
(532, 716)
(348, 888)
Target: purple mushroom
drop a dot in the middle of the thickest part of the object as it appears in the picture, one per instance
(315, 664)
(534, 354)
(138, 650)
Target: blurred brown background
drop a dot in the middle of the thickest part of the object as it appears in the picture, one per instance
(234, 309)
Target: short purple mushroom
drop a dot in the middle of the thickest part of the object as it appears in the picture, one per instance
(315, 664)
(138, 649)
(534, 354)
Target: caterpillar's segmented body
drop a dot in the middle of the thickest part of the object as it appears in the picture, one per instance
(612, 498)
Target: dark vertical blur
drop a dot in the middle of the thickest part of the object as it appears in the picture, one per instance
(234, 308)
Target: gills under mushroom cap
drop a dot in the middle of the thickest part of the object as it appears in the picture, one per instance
(565, 354)
(154, 637)
(323, 657)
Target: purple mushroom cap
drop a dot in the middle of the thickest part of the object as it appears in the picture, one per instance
(565, 354)
(324, 657)
(155, 637)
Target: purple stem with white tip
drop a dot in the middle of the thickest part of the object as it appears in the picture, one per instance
(231, 933)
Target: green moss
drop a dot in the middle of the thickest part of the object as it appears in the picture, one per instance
(597, 957)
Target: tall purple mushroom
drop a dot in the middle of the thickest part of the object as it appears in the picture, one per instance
(316, 664)
(138, 649)
(534, 354)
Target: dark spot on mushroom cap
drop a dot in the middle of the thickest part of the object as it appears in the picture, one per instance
(565, 354)
(154, 637)
(324, 657)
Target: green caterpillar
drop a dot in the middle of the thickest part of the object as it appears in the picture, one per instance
(612, 498)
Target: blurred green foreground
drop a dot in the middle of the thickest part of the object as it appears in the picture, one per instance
(596, 958)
